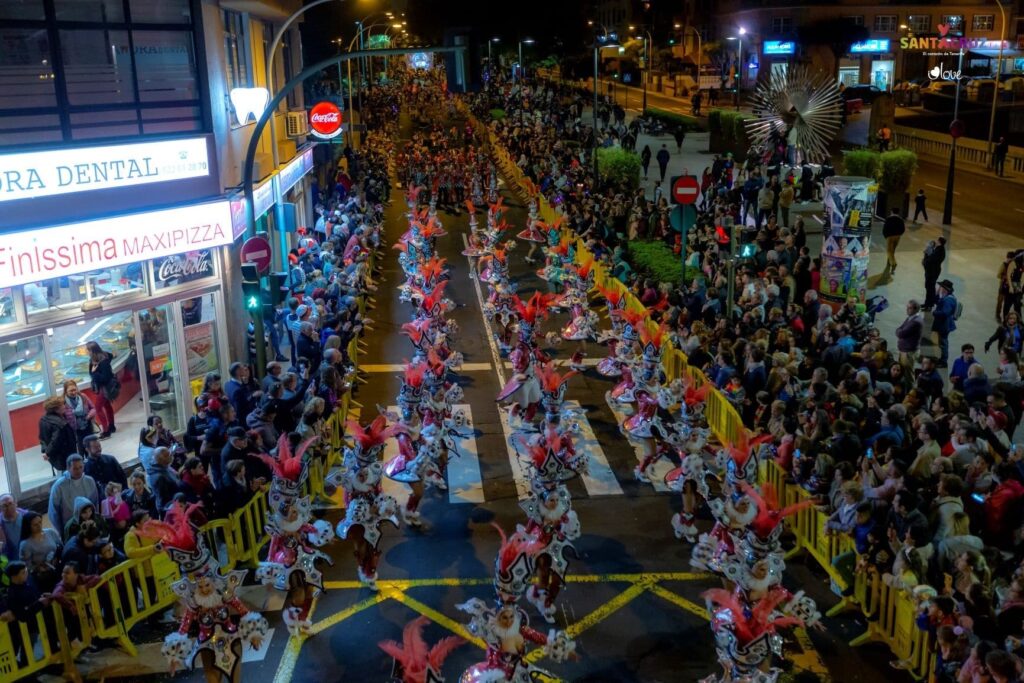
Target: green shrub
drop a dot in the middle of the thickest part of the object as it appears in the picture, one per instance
(715, 121)
(688, 122)
(739, 127)
(896, 171)
(861, 162)
(733, 125)
(655, 259)
(497, 114)
(619, 167)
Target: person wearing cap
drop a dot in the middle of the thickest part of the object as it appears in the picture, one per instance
(102, 467)
(944, 320)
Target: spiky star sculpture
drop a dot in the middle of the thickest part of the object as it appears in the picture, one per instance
(801, 101)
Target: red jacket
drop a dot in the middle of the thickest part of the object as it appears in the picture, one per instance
(998, 507)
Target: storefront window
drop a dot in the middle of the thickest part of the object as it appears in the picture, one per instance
(90, 10)
(180, 268)
(70, 359)
(97, 66)
(70, 291)
(198, 316)
(160, 11)
(24, 379)
(165, 66)
(159, 351)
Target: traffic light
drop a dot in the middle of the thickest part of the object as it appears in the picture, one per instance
(252, 296)
(279, 290)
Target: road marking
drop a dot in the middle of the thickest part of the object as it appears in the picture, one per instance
(955, 193)
(399, 367)
(660, 468)
(465, 483)
(487, 323)
(517, 461)
(438, 618)
(819, 219)
(406, 584)
(600, 479)
(679, 601)
(588, 362)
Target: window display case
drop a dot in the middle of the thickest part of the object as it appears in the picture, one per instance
(24, 380)
(69, 357)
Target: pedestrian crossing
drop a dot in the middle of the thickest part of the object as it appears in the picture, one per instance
(600, 480)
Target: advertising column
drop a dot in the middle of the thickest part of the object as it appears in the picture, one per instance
(846, 246)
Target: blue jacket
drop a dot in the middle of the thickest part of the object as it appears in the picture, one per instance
(942, 316)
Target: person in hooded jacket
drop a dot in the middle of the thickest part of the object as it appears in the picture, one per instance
(57, 439)
(85, 511)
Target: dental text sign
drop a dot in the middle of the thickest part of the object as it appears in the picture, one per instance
(47, 253)
(81, 169)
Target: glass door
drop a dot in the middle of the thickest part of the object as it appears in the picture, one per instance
(157, 327)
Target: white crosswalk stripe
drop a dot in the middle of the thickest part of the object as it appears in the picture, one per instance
(520, 469)
(600, 480)
(660, 468)
(465, 483)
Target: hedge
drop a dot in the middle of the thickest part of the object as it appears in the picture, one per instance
(733, 124)
(671, 117)
(655, 259)
(894, 170)
(715, 121)
(618, 166)
(497, 114)
(861, 162)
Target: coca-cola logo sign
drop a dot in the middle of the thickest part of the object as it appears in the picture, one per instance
(184, 267)
(325, 120)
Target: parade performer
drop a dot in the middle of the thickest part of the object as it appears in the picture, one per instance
(615, 298)
(418, 448)
(583, 322)
(440, 419)
(366, 506)
(501, 303)
(415, 662)
(522, 390)
(294, 539)
(629, 354)
(746, 636)
(505, 628)
(212, 611)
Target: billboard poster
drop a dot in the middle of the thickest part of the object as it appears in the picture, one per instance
(846, 243)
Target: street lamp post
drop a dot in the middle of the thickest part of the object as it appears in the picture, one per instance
(999, 72)
(489, 42)
(947, 207)
(739, 68)
(697, 33)
(522, 68)
(602, 40)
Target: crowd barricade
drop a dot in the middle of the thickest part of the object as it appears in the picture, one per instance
(28, 651)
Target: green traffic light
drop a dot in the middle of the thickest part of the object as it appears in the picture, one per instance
(252, 303)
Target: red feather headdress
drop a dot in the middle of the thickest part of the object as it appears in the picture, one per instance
(769, 516)
(413, 654)
(760, 621)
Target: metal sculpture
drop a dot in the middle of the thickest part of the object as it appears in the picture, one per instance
(797, 107)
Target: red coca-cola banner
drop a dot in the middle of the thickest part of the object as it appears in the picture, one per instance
(325, 120)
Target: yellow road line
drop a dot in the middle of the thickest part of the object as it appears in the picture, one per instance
(637, 578)
(809, 659)
(286, 667)
(405, 584)
(349, 611)
(679, 601)
(435, 616)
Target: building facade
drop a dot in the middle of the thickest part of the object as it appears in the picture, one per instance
(772, 38)
(121, 151)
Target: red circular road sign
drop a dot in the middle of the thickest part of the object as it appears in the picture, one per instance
(685, 189)
(257, 250)
(956, 129)
(325, 120)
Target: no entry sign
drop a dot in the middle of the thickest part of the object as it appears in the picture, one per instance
(685, 189)
(256, 250)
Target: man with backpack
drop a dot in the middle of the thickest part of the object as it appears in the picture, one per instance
(944, 317)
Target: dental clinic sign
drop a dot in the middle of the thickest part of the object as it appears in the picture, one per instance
(46, 253)
(56, 172)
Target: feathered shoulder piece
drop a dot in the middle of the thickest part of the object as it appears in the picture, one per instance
(769, 515)
(550, 379)
(536, 309)
(615, 296)
(419, 663)
(180, 541)
(749, 626)
(374, 434)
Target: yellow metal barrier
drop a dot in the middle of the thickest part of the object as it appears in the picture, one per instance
(44, 645)
(248, 530)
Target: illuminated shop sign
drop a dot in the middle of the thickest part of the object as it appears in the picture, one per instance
(779, 47)
(80, 169)
(47, 253)
(873, 45)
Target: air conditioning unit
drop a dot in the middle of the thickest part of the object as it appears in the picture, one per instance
(296, 124)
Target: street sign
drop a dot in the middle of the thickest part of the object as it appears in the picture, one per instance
(956, 129)
(685, 189)
(257, 251)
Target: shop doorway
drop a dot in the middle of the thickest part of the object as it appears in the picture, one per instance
(881, 74)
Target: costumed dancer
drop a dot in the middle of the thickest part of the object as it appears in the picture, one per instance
(689, 438)
(441, 421)
(629, 354)
(583, 321)
(292, 556)
(501, 301)
(522, 390)
(415, 662)
(615, 298)
(505, 627)
(415, 464)
(212, 611)
(366, 506)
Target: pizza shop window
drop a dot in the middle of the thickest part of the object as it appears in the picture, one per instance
(8, 314)
(178, 269)
(71, 291)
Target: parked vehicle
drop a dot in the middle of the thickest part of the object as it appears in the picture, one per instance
(862, 91)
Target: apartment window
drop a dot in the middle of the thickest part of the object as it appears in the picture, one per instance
(856, 19)
(128, 69)
(955, 22)
(886, 23)
(984, 22)
(236, 50)
(920, 23)
(782, 25)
